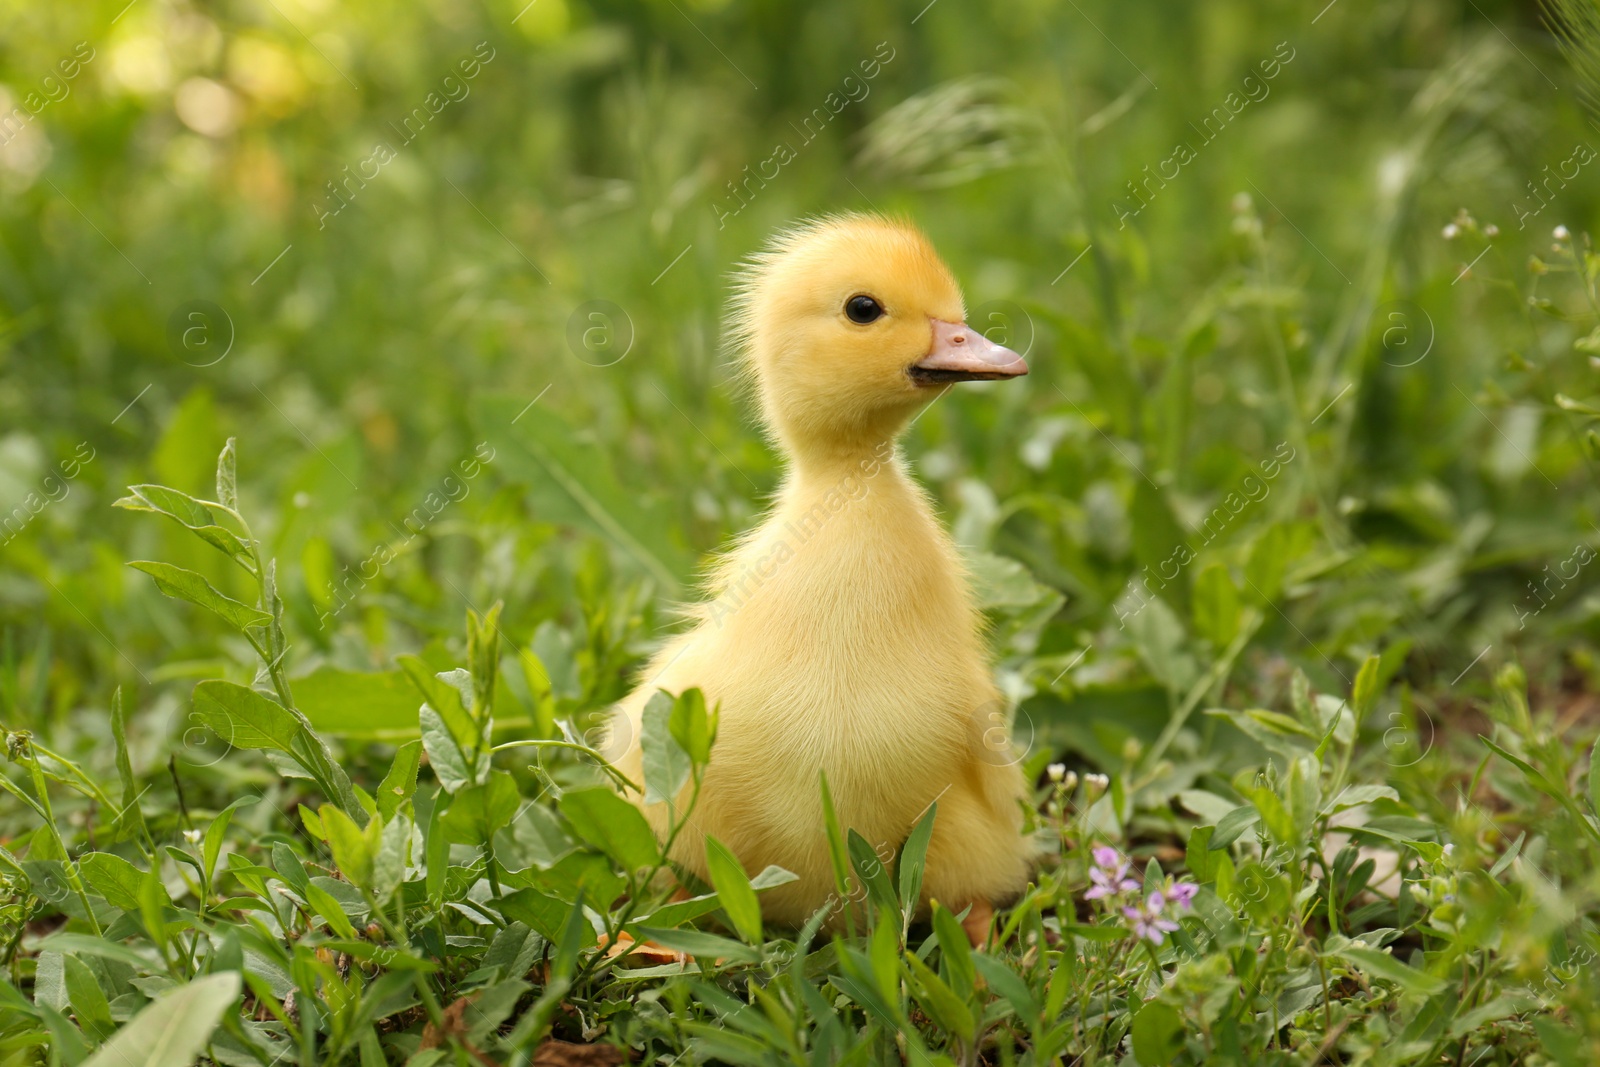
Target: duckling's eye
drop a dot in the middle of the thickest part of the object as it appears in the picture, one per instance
(863, 309)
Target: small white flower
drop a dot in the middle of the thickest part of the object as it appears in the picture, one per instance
(1070, 782)
(193, 836)
(1241, 203)
(1449, 850)
(1491, 230)
(1561, 233)
(1056, 771)
(1096, 783)
(1450, 231)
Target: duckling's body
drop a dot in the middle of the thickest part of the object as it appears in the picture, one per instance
(842, 637)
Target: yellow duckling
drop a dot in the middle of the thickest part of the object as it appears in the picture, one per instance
(842, 637)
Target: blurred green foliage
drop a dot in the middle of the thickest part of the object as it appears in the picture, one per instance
(1313, 382)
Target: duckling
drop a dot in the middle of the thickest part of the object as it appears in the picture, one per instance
(840, 635)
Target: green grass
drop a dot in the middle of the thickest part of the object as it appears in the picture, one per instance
(1289, 534)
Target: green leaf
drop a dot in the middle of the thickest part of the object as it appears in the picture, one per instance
(368, 705)
(1382, 965)
(870, 869)
(955, 950)
(450, 765)
(701, 945)
(691, 726)
(324, 904)
(191, 513)
(183, 584)
(1231, 825)
(1268, 563)
(227, 476)
(1216, 606)
(838, 852)
(542, 912)
(174, 1028)
(354, 848)
(479, 810)
(1594, 778)
(733, 886)
(216, 832)
(1157, 1034)
(130, 820)
(913, 861)
(88, 1000)
(942, 1004)
(113, 878)
(1159, 544)
(1364, 694)
(666, 763)
(399, 785)
(243, 717)
(1198, 854)
(612, 825)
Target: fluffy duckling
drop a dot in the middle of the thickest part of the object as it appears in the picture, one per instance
(841, 636)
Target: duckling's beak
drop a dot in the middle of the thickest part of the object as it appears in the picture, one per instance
(961, 354)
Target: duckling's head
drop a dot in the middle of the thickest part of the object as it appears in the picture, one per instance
(849, 325)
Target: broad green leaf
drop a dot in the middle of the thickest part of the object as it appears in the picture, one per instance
(1160, 546)
(542, 912)
(1380, 964)
(1157, 1034)
(1216, 606)
(243, 717)
(733, 886)
(187, 585)
(1268, 563)
(369, 705)
(324, 904)
(450, 765)
(612, 825)
(113, 878)
(478, 811)
(354, 848)
(191, 513)
(1232, 825)
(942, 1004)
(172, 1030)
(1005, 981)
(88, 1000)
(666, 763)
(691, 726)
(400, 783)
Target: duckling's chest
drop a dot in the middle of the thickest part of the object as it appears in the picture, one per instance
(847, 637)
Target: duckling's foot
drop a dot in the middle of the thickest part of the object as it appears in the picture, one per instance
(976, 924)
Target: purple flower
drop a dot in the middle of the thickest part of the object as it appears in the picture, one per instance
(1183, 893)
(1109, 874)
(1147, 921)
